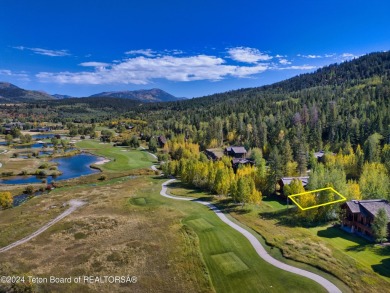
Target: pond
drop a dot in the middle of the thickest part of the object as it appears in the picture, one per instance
(70, 167)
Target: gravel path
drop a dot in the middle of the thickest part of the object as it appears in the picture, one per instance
(74, 204)
(330, 287)
(153, 167)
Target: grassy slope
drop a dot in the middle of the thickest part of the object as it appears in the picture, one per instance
(111, 235)
(233, 263)
(346, 256)
(364, 252)
(305, 245)
(121, 158)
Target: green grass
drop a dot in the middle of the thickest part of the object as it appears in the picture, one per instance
(232, 262)
(120, 160)
(364, 252)
(201, 224)
(229, 263)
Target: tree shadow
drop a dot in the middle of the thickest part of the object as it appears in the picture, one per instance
(384, 251)
(383, 268)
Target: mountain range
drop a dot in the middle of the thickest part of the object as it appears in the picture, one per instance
(146, 96)
(12, 93)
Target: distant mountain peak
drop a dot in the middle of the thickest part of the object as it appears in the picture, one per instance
(146, 95)
(11, 93)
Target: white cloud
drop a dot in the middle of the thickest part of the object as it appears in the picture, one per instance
(296, 67)
(284, 61)
(45, 52)
(247, 55)
(94, 64)
(310, 56)
(144, 52)
(330, 55)
(19, 75)
(348, 56)
(142, 70)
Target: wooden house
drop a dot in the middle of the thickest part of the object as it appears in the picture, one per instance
(358, 215)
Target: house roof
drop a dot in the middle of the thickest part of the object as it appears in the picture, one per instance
(238, 150)
(370, 206)
(319, 154)
(241, 161)
(162, 139)
(303, 179)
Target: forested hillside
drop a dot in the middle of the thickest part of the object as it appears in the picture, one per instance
(341, 109)
(336, 104)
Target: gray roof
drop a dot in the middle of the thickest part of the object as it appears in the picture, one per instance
(303, 179)
(319, 154)
(371, 206)
(238, 150)
(241, 161)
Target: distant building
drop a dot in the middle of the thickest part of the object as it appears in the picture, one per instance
(358, 215)
(237, 162)
(41, 129)
(320, 155)
(287, 180)
(161, 141)
(235, 151)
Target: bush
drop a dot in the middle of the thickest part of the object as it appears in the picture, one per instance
(5, 174)
(102, 177)
(29, 189)
(40, 173)
(44, 166)
(15, 155)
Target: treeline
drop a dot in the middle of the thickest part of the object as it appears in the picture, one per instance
(194, 168)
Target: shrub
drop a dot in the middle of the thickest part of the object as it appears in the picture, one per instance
(102, 177)
(29, 189)
(44, 166)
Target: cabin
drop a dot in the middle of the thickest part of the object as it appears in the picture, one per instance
(236, 152)
(358, 215)
(161, 141)
(237, 162)
(319, 156)
(287, 180)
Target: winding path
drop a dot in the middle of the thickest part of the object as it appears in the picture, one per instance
(74, 205)
(153, 167)
(330, 287)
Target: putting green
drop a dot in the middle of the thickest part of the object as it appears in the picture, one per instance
(229, 263)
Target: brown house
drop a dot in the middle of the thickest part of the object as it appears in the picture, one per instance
(287, 180)
(358, 215)
(236, 152)
(161, 141)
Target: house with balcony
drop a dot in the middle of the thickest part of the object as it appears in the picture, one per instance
(358, 215)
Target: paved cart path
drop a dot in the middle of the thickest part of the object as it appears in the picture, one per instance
(330, 287)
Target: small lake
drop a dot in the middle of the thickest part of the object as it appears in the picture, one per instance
(71, 167)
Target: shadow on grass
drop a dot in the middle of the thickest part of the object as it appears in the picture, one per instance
(383, 268)
(288, 217)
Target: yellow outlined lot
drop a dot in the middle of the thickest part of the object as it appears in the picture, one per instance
(315, 191)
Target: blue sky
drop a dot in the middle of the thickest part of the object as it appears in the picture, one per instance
(187, 48)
